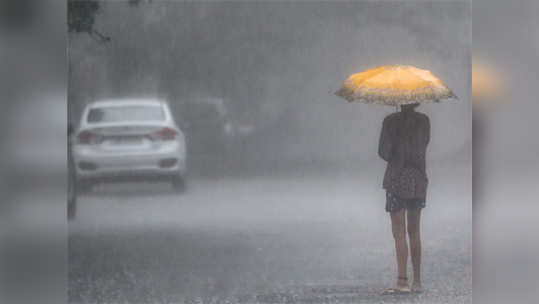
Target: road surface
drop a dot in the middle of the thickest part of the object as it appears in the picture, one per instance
(286, 239)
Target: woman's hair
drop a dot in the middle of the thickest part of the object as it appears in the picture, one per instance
(409, 126)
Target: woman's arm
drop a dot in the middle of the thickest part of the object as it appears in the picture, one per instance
(385, 145)
(427, 130)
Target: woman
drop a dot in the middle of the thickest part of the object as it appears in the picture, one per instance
(403, 144)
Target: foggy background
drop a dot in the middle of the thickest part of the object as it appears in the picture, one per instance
(34, 225)
(284, 200)
(506, 145)
(505, 263)
(276, 66)
(33, 247)
(291, 210)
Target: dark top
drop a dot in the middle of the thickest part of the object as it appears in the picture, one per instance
(403, 142)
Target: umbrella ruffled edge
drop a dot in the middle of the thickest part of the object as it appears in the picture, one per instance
(394, 98)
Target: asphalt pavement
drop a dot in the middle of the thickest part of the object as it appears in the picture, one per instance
(285, 239)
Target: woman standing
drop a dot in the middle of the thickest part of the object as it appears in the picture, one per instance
(403, 143)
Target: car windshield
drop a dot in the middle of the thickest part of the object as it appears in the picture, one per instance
(126, 113)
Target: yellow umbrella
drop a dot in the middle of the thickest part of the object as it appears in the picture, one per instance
(394, 85)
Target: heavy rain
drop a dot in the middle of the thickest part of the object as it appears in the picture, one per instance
(281, 199)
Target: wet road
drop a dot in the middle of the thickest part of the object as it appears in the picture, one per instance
(281, 239)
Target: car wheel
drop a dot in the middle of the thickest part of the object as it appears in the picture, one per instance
(178, 183)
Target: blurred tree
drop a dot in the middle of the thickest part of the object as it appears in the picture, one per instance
(81, 17)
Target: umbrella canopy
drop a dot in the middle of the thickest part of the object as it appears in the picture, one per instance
(394, 85)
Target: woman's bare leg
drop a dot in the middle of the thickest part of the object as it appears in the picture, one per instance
(415, 246)
(398, 226)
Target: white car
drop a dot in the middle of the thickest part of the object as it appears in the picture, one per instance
(125, 139)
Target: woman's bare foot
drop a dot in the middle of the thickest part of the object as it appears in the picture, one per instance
(400, 288)
(396, 290)
(416, 287)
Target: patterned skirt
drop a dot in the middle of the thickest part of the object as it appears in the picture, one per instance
(394, 203)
